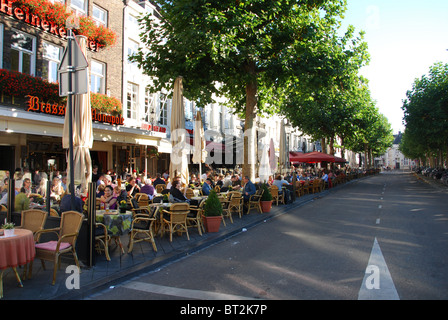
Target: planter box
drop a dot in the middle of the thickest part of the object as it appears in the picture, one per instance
(212, 223)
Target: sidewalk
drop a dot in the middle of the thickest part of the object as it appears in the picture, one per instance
(142, 259)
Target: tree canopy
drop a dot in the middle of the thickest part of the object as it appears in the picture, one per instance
(426, 115)
(246, 51)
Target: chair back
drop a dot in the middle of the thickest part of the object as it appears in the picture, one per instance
(189, 193)
(142, 199)
(180, 207)
(217, 188)
(235, 199)
(33, 219)
(71, 222)
(53, 213)
(160, 187)
(274, 191)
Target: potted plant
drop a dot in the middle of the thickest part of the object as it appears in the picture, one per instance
(8, 228)
(123, 206)
(266, 199)
(212, 214)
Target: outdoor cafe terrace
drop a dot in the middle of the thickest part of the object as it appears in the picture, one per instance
(108, 243)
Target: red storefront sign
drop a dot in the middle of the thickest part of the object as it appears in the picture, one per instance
(35, 105)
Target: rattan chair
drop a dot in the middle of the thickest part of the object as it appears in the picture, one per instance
(225, 211)
(316, 186)
(254, 201)
(276, 196)
(160, 187)
(142, 225)
(189, 193)
(142, 199)
(67, 234)
(33, 220)
(299, 189)
(53, 213)
(235, 203)
(306, 187)
(194, 218)
(175, 220)
(102, 239)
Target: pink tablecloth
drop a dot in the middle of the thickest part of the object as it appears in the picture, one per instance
(17, 250)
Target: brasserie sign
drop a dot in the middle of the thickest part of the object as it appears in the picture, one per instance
(35, 105)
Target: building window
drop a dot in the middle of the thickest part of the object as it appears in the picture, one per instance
(150, 106)
(23, 52)
(51, 61)
(97, 75)
(79, 6)
(132, 101)
(163, 110)
(99, 15)
(132, 49)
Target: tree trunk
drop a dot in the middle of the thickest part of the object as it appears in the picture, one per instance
(249, 130)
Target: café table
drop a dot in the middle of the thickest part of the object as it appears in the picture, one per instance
(117, 223)
(16, 250)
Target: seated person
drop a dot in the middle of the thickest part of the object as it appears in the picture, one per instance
(109, 198)
(66, 204)
(120, 194)
(279, 182)
(132, 188)
(148, 189)
(249, 188)
(207, 187)
(175, 192)
(21, 201)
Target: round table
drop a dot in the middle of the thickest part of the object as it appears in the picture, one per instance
(16, 250)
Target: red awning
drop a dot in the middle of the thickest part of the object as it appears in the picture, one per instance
(294, 156)
(314, 157)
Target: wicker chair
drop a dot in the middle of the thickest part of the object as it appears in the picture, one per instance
(254, 201)
(53, 213)
(189, 193)
(316, 186)
(142, 199)
(299, 189)
(160, 187)
(225, 211)
(67, 233)
(236, 203)
(276, 196)
(142, 224)
(194, 218)
(34, 220)
(102, 239)
(306, 187)
(175, 220)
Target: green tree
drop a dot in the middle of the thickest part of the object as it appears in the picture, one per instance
(426, 114)
(323, 106)
(242, 50)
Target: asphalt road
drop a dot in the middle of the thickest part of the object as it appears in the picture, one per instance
(382, 237)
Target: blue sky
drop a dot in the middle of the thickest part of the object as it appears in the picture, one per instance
(405, 38)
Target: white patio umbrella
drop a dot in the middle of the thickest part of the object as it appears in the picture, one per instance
(272, 161)
(179, 155)
(264, 170)
(283, 153)
(199, 153)
(82, 133)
